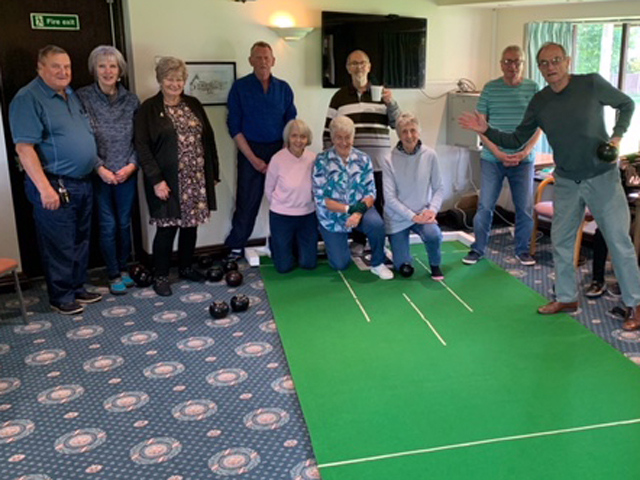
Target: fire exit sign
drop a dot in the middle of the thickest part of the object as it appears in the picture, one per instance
(54, 21)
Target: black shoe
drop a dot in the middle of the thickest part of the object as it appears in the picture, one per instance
(72, 308)
(86, 298)
(162, 287)
(614, 289)
(595, 290)
(191, 274)
(471, 258)
(236, 254)
(436, 273)
(526, 259)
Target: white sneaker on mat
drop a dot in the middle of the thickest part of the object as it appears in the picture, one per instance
(382, 271)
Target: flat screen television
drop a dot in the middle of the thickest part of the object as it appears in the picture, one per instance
(397, 47)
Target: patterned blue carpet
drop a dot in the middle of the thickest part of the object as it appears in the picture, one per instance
(150, 388)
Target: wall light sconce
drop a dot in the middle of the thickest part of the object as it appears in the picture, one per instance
(292, 34)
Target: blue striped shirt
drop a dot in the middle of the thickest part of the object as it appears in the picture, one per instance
(504, 105)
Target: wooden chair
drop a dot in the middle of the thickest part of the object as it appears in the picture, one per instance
(9, 265)
(545, 209)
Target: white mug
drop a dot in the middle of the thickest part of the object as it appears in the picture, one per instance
(376, 93)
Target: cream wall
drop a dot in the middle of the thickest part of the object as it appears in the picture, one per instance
(8, 233)
(459, 45)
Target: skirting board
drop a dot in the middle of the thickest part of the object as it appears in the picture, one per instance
(253, 254)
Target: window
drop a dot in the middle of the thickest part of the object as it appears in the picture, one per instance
(613, 50)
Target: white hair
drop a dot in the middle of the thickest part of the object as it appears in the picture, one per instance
(342, 124)
(302, 127)
(406, 119)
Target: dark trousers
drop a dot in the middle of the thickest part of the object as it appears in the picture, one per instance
(163, 246)
(63, 238)
(293, 234)
(249, 192)
(359, 237)
(600, 252)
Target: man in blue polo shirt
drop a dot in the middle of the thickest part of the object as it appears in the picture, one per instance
(58, 152)
(260, 105)
(503, 102)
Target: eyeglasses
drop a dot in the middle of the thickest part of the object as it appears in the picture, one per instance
(363, 63)
(507, 62)
(554, 61)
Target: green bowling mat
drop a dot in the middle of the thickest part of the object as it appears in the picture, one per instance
(413, 379)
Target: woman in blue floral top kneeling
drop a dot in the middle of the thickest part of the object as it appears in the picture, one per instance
(344, 192)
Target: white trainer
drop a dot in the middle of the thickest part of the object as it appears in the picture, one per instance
(382, 271)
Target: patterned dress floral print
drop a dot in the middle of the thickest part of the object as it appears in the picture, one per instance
(194, 209)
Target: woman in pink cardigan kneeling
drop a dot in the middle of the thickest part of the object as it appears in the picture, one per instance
(292, 218)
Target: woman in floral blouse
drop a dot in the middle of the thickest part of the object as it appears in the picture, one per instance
(344, 191)
(177, 153)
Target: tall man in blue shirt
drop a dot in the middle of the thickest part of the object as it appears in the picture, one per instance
(260, 105)
(58, 152)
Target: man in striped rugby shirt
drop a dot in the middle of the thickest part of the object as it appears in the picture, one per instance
(371, 118)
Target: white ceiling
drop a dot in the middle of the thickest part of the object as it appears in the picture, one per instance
(516, 3)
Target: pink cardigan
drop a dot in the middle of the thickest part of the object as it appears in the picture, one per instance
(288, 183)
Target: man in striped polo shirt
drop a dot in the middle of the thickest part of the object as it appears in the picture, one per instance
(371, 118)
(503, 102)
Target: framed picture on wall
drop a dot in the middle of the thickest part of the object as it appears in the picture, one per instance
(210, 82)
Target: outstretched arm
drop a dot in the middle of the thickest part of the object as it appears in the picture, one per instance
(473, 121)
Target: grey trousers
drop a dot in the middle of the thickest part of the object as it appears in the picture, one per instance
(606, 199)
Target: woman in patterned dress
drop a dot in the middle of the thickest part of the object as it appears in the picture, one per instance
(177, 153)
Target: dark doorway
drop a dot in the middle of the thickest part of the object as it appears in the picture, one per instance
(100, 23)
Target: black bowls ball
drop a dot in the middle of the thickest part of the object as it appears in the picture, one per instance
(406, 270)
(215, 274)
(219, 310)
(229, 265)
(607, 152)
(239, 303)
(145, 279)
(141, 276)
(135, 270)
(205, 261)
(233, 278)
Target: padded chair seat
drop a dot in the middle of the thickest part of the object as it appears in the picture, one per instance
(7, 265)
(545, 209)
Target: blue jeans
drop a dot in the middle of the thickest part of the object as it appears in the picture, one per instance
(63, 238)
(429, 233)
(114, 205)
(337, 243)
(293, 232)
(521, 183)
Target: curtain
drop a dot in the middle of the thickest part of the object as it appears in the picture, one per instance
(537, 34)
(398, 67)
